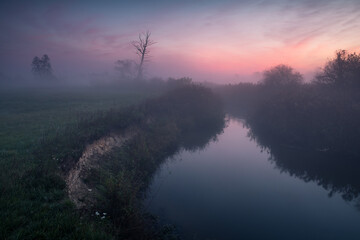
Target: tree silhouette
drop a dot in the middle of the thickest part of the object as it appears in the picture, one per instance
(42, 67)
(281, 75)
(127, 68)
(142, 49)
(342, 71)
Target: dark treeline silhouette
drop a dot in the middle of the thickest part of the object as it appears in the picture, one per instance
(323, 115)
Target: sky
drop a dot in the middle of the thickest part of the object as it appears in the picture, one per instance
(219, 41)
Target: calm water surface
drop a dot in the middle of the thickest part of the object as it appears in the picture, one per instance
(230, 190)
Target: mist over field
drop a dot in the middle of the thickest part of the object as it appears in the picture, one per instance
(180, 119)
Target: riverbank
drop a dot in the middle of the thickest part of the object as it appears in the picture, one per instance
(39, 185)
(123, 174)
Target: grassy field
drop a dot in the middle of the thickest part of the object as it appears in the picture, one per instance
(33, 203)
(26, 114)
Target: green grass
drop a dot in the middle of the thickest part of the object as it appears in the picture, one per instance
(26, 114)
(33, 201)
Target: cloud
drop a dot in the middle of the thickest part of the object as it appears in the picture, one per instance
(202, 37)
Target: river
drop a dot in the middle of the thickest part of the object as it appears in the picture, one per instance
(232, 189)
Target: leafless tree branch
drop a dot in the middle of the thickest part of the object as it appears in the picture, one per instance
(142, 49)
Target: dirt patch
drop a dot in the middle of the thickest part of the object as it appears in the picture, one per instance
(80, 193)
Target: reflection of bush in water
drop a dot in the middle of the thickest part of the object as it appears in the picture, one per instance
(188, 118)
(200, 139)
(334, 172)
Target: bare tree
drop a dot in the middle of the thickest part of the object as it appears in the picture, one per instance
(142, 49)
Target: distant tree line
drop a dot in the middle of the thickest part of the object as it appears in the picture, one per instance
(128, 69)
(322, 115)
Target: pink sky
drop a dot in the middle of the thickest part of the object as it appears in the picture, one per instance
(221, 41)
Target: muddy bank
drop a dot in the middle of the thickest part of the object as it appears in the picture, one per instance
(78, 191)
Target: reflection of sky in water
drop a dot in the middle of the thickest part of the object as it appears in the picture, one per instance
(231, 190)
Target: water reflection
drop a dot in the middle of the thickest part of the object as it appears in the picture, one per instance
(334, 172)
(230, 190)
(200, 139)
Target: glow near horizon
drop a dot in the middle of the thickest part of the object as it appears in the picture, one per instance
(203, 40)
